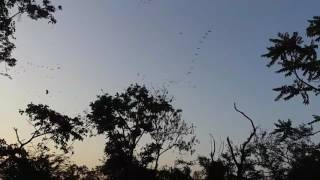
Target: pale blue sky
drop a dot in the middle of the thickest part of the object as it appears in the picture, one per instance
(108, 44)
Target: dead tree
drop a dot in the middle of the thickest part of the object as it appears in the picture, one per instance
(244, 152)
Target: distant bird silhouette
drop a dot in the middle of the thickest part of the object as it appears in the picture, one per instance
(47, 91)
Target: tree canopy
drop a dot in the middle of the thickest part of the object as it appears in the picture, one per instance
(299, 60)
(9, 10)
(128, 117)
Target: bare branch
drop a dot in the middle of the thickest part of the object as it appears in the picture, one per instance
(16, 14)
(35, 135)
(251, 121)
(243, 153)
(17, 136)
(232, 152)
(213, 151)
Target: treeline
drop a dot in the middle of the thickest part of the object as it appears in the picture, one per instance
(286, 152)
(141, 125)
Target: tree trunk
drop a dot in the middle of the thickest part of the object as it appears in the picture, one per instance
(157, 160)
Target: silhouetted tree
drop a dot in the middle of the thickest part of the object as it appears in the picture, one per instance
(128, 117)
(9, 9)
(306, 167)
(213, 169)
(239, 159)
(17, 162)
(287, 150)
(170, 131)
(75, 172)
(298, 60)
(175, 174)
(53, 126)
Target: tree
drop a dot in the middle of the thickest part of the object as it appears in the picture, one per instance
(288, 152)
(297, 60)
(212, 168)
(75, 172)
(306, 167)
(175, 174)
(127, 118)
(239, 160)
(170, 131)
(9, 9)
(53, 126)
(17, 162)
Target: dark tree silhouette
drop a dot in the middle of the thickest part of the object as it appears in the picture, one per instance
(287, 151)
(175, 174)
(297, 60)
(75, 172)
(9, 9)
(306, 167)
(170, 131)
(212, 167)
(17, 161)
(239, 159)
(53, 126)
(126, 119)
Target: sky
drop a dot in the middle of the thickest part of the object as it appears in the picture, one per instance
(206, 52)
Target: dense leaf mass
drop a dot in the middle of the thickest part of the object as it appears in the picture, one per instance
(9, 10)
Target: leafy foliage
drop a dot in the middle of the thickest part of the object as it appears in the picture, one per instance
(18, 163)
(174, 174)
(297, 60)
(284, 150)
(213, 169)
(52, 125)
(128, 117)
(33, 9)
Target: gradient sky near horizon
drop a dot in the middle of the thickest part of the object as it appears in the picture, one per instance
(105, 45)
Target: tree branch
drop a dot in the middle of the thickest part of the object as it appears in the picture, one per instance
(304, 82)
(243, 114)
(16, 14)
(17, 136)
(232, 152)
(243, 153)
(35, 135)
